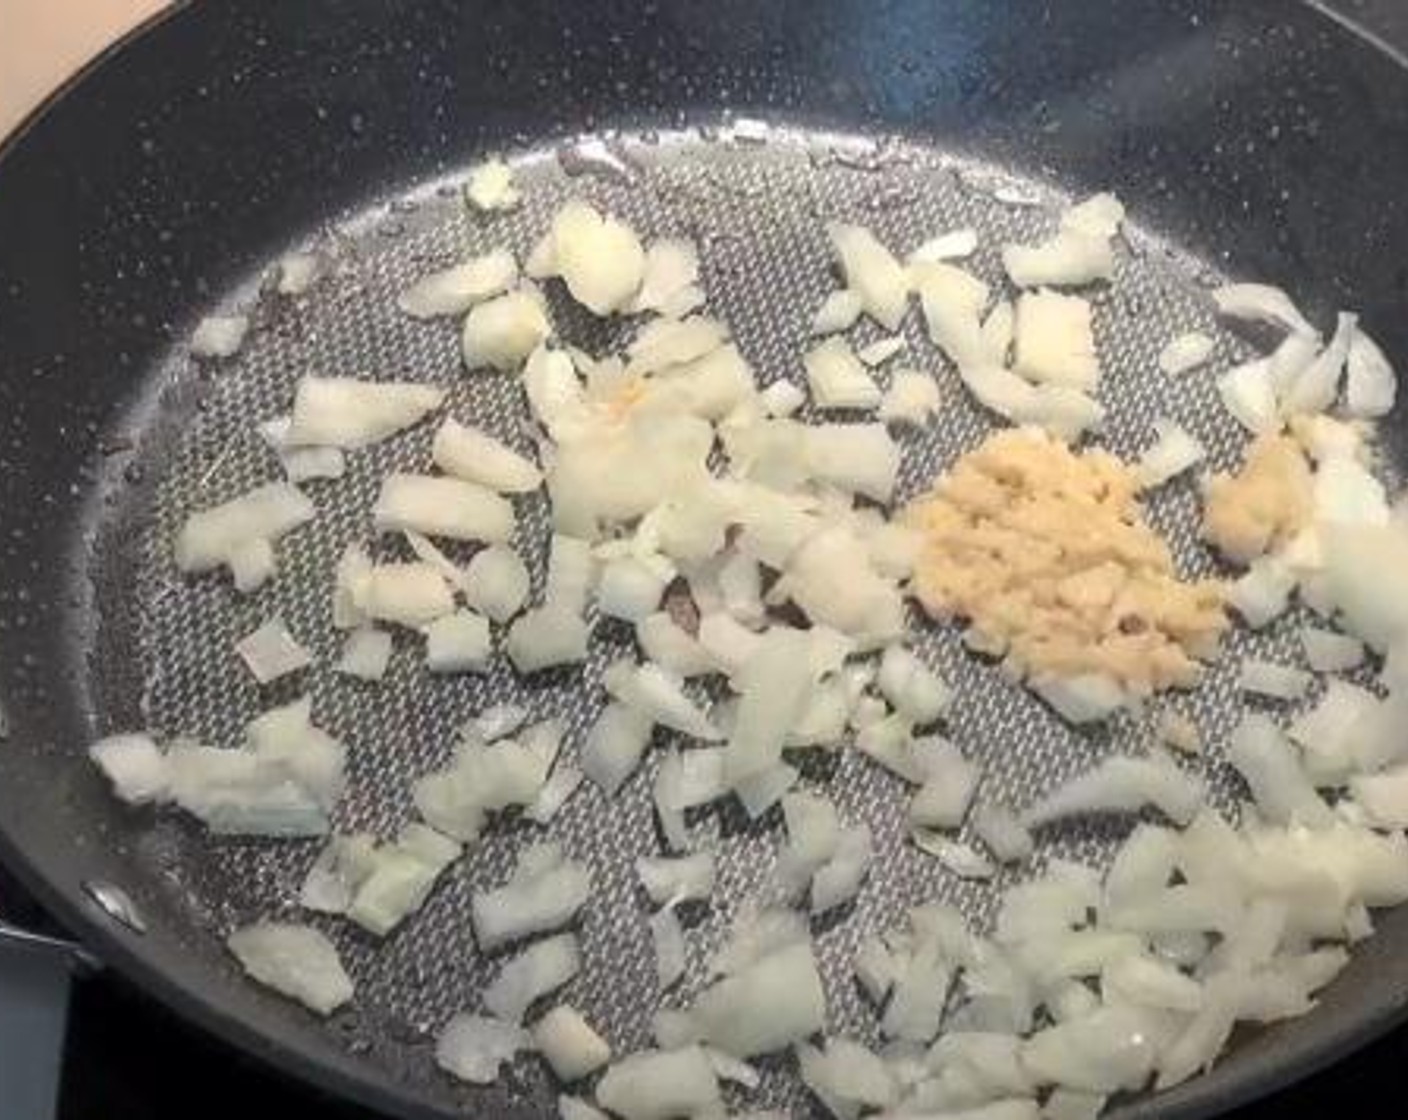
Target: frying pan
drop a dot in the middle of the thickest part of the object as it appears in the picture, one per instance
(1252, 138)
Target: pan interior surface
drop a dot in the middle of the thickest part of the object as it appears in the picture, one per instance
(756, 211)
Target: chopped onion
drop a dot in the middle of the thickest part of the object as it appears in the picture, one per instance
(407, 594)
(963, 860)
(672, 880)
(917, 693)
(1331, 734)
(546, 637)
(1002, 833)
(846, 1077)
(1261, 303)
(252, 564)
(482, 779)
(502, 332)
(668, 343)
(1055, 343)
(1366, 576)
(542, 967)
(271, 652)
(1316, 387)
(474, 456)
(839, 880)
(473, 1047)
(454, 290)
(544, 893)
(301, 464)
(337, 872)
(442, 507)
(615, 745)
(1070, 258)
(496, 583)
(399, 878)
(1179, 732)
(1280, 788)
(219, 336)
(216, 536)
(838, 312)
(1103, 1052)
(629, 588)
(298, 272)
(564, 781)
(1263, 592)
(837, 378)
(1266, 678)
(1122, 784)
(1371, 384)
(775, 683)
(953, 245)
(343, 412)
(950, 781)
(569, 1044)
(764, 1007)
(659, 697)
(1174, 451)
(1247, 393)
(490, 187)
(294, 960)
(660, 1085)
(872, 272)
(671, 269)
(760, 792)
(135, 766)
(458, 643)
(1085, 698)
(1383, 796)
(662, 641)
(1346, 493)
(912, 398)
(599, 258)
(667, 937)
(1329, 652)
(1185, 353)
(782, 398)
(881, 350)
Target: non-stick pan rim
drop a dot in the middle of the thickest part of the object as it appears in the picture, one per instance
(126, 955)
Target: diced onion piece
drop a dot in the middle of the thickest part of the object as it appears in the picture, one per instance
(839, 880)
(407, 594)
(343, 412)
(917, 692)
(1070, 258)
(1263, 592)
(1055, 343)
(1122, 784)
(400, 877)
(252, 564)
(1103, 1052)
(667, 343)
(218, 535)
(454, 290)
(1266, 678)
(475, 456)
(1332, 734)
(271, 652)
(659, 696)
(953, 245)
(219, 336)
(1267, 762)
(782, 398)
(875, 968)
(615, 745)
(569, 1044)
(301, 464)
(963, 860)
(764, 1007)
(671, 269)
(542, 967)
(912, 398)
(135, 766)
(490, 187)
(775, 683)
(1179, 732)
(667, 937)
(837, 379)
(950, 781)
(546, 637)
(872, 272)
(881, 350)
(1100, 215)
(598, 256)
(1185, 353)
(1260, 303)
(1383, 796)
(480, 780)
(502, 332)
(442, 507)
(1248, 394)
(1366, 578)
(1174, 451)
(1371, 384)
(760, 792)
(629, 588)
(999, 331)
(298, 272)
(1317, 385)
(1002, 833)
(458, 643)
(544, 893)
(1084, 698)
(660, 1085)
(296, 961)
(663, 641)
(846, 1077)
(337, 872)
(496, 582)
(565, 780)
(860, 458)
(671, 880)
(1329, 652)
(813, 833)
(473, 1047)
(496, 722)
(838, 312)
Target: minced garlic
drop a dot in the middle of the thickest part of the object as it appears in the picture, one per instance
(1264, 505)
(1043, 551)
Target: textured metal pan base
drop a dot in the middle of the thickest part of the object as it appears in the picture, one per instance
(756, 211)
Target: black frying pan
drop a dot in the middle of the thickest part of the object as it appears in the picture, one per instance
(1257, 136)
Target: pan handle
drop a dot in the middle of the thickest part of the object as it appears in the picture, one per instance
(14, 939)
